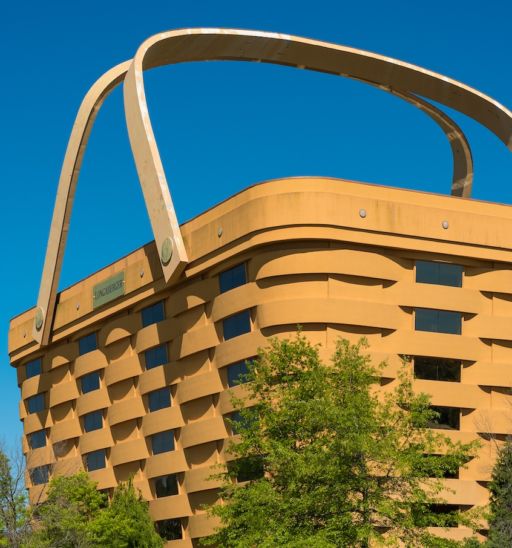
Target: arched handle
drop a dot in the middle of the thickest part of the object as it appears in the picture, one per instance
(402, 79)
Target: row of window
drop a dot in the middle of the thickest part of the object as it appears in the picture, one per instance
(158, 399)
(162, 442)
(247, 469)
(168, 529)
(425, 368)
(154, 313)
(426, 272)
(233, 326)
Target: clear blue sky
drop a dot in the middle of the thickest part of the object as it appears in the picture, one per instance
(220, 126)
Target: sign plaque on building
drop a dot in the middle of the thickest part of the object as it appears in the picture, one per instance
(108, 290)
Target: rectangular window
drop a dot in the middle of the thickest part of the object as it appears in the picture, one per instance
(249, 469)
(234, 277)
(166, 486)
(435, 515)
(153, 314)
(159, 399)
(449, 417)
(236, 373)
(169, 529)
(235, 418)
(87, 344)
(33, 368)
(162, 442)
(156, 356)
(35, 403)
(237, 324)
(90, 382)
(437, 369)
(39, 475)
(429, 272)
(438, 321)
(37, 439)
(93, 421)
(95, 460)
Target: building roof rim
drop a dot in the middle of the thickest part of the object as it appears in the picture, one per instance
(261, 183)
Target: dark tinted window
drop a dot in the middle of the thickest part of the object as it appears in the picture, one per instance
(162, 442)
(436, 466)
(90, 382)
(235, 419)
(438, 321)
(159, 399)
(156, 356)
(166, 486)
(33, 368)
(95, 460)
(437, 369)
(152, 314)
(169, 529)
(37, 439)
(428, 272)
(35, 403)
(448, 417)
(93, 421)
(436, 515)
(39, 475)
(237, 324)
(236, 372)
(87, 344)
(234, 277)
(249, 468)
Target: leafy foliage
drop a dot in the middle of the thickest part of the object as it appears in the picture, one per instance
(344, 464)
(63, 520)
(500, 521)
(76, 515)
(125, 523)
(14, 518)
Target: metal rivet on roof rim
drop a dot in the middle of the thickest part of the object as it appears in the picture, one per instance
(141, 273)
(362, 213)
(78, 306)
(445, 224)
(219, 232)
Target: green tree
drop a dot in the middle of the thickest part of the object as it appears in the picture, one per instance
(125, 523)
(63, 519)
(339, 462)
(77, 515)
(14, 517)
(500, 520)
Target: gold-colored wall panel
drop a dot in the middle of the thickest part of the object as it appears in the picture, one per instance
(311, 259)
(164, 419)
(64, 430)
(92, 401)
(97, 439)
(129, 451)
(170, 507)
(63, 392)
(166, 463)
(92, 361)
(124, 410)
(122, 370)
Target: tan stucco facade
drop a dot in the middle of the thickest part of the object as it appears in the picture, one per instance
(335, 256)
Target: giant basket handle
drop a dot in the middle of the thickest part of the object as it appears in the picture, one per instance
(403, 79)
